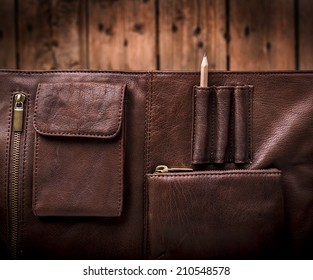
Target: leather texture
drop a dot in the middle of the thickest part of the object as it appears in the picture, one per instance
(222, 124)
(79, 109)
(215, 214)
(72, 176)
(91, 141)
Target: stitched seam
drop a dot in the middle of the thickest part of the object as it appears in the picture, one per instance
(250, 124)
(88, 82)
(216, 87)
(246, 96)
(119, 201)
(150, 120)
(121, 153)
(120, 167)
(149, 164)
(231, 128)
(205, 89)
(234, 73)
(213, 73)
(40, 72)
(74, 134)
(247, 118)
(274, 173)
(213, 125)
(7, 164)
(194, 123)
(79, 134)
(148, 224)
(36, 171)
(146, 169)
(24, 167)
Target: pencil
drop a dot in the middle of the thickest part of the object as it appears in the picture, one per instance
(204, 71)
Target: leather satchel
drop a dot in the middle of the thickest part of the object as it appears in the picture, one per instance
(147, 165)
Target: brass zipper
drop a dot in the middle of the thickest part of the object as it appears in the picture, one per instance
(166, 169)
(18, 115)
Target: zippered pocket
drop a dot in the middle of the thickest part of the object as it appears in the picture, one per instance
(214, 214)
(18, 120)
(79, 158)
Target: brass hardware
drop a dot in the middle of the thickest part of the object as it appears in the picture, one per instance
(19, 100)
(18, 116)
(166, 169)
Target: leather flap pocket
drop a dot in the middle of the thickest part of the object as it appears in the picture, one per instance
(215, 214)
(79, 109)
(79, 150)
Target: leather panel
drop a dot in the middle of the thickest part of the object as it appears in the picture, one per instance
(215, 214)
(65, 183)
(158, 130)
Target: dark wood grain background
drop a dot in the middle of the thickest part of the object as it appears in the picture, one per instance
(156, 34)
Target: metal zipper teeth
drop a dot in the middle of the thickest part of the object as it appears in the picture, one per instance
(18, 116)
(14, 193)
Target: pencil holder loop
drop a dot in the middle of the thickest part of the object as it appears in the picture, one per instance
(222, 126)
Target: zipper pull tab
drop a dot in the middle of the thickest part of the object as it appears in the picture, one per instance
(165, 169)
(19, 100)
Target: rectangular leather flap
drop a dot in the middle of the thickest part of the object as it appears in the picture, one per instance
(79, 109)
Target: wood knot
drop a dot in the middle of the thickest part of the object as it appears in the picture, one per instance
(268, 46)
(174, 28)
(107, 30)
(138, 27)
(247, 31)
(197, 30)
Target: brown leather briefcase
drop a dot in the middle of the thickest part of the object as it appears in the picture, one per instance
(134, 165)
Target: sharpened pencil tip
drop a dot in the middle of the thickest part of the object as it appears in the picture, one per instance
(204, 71)
(204, 60)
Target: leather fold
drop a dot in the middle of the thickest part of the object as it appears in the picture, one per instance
(222, 118)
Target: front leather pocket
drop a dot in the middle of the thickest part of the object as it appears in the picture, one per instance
(215, 214)
(78, 165)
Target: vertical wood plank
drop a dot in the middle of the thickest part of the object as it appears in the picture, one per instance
(262, 35)
(187, 29)
(306, 34)
(7, 34)
(122, 34)
(52, 34)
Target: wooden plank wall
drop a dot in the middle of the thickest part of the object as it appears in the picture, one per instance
(7, 34)
(156, 34)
